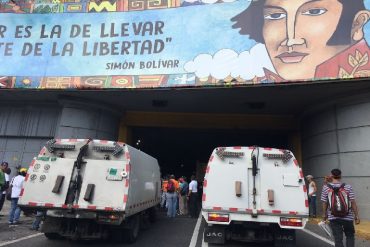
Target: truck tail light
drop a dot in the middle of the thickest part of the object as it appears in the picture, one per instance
(113, 217)
(291, 222)
(218, 217)
(108, 218)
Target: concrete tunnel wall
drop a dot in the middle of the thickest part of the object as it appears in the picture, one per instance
(24, 129)
(338, 136)
(334, 135)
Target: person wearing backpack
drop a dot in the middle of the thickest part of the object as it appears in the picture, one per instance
(340, 208)
(171, 196)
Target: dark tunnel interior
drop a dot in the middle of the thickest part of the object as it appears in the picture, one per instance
(178, 151)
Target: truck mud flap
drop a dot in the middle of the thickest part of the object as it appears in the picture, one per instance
(284, 237)
(214, 234)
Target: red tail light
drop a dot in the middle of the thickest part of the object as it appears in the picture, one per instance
(218, 217)
(291, 222)
(108, 218)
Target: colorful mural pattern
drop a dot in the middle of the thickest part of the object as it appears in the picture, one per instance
(98, 82)
(345, 63)
(59, 6)
(113, 82)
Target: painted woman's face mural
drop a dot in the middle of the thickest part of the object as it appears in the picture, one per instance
(296, 33)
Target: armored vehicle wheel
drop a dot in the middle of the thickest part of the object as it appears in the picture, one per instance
(52, 235)
(145, 221)
(133, 231)
(116, 235)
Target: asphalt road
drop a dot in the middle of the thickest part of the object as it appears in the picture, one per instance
(179, 232)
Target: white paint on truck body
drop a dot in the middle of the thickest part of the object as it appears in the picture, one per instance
(234, 164)
(126, 183)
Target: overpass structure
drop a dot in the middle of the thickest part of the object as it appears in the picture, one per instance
(185, 73)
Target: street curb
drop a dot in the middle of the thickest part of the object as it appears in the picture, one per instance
(362, 230)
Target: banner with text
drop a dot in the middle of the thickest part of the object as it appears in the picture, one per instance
(164, 43)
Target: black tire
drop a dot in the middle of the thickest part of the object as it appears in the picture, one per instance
(52, 235)
(132, 232)
(145, 221)
(116, 235)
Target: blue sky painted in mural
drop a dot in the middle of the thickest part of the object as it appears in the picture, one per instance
(193, 30)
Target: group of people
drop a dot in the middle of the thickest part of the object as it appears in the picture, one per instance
(11, 190)
(335, 192)
(179, 196)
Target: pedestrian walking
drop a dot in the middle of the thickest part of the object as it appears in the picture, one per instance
(2, 175)
(16, 186)
(183, 201)
(4, 182)
(340, 208)
(171, 196)
(328, 179)
(193, 197)
(312, 189)
(164, 192)
(37, 221)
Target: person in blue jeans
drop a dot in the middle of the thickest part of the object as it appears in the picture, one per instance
(312, 189)
(38, 218)
(171, 197)
(16, 187)
(15, 212)
(340, 224)
(171, 204)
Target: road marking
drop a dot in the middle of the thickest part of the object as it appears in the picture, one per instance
(204, 244)
(21, 239)
(319, 237)
(194, 238)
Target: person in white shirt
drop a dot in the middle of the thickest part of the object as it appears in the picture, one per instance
(16, 187)
(193, 197)
(312, 189)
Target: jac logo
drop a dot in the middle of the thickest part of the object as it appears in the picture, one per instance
(285, 237)
(214, 234)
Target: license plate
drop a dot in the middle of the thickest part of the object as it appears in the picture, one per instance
(214, 234)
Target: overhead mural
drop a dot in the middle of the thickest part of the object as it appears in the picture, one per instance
(66, 44)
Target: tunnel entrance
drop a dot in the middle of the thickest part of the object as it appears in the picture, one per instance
(184, 151)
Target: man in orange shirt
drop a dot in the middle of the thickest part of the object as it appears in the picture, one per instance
(164, 191)
(177, 185)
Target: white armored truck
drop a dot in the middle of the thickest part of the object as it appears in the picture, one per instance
(253, 194)
(91, 189)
